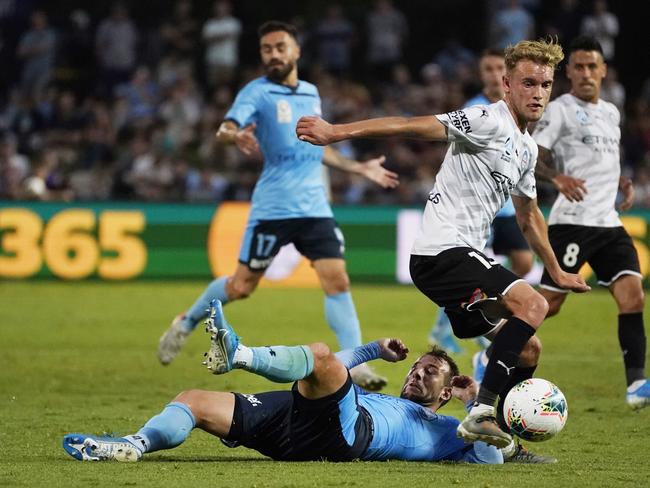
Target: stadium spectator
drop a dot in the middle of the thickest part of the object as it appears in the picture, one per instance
(14, 167)
(180, 32)
(221, 38)
(115, 48)
(511, 24)
(334, 36)
(36, 49)
(387, 36)
(603, 25)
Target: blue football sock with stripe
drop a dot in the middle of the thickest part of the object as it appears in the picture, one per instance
(216, 290)
(166, 430)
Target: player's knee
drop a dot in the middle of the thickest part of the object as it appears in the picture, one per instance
(633, 302)
(321, 352)
(239, 289)
(194, 399)
(530, 354)
(535, 310)
(338, 283)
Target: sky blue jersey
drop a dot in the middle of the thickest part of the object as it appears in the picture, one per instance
(508, 209)
(408, 431)
(291, 184)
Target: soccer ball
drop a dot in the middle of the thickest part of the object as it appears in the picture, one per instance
(535, 410)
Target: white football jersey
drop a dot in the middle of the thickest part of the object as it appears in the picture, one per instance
(488, 159)
(584, 139)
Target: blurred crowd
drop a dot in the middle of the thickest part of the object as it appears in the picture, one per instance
(105, 110)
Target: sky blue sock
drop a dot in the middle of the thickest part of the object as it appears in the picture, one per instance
(282, 364)
(342, 319)
(197, 312)
(442, 326)
(166, 430)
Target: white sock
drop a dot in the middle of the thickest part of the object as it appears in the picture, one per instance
(140, 441)
(243, 356)
(482, 408)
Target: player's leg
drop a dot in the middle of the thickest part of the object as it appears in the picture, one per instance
(442, 334)
(260, 244)
(322, 242)
(207, 410)
(514, 355)
(342, 318)
(616, 265)
(555, 299)
(629, 296)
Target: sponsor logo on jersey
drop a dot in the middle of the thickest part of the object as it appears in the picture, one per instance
(460, 121)
(283, 112)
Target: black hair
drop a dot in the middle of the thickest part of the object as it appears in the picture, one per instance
(276, 26)
(585, 43)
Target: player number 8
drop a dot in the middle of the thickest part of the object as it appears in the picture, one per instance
(570, 257)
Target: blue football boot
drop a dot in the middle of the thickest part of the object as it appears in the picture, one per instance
(95, 448)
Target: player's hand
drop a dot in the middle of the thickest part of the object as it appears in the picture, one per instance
(627, 188)
(465, 388)
(573, 282)
(246, 141)
(315, 130)
(573, 189)
(374, 170)
(392, 349)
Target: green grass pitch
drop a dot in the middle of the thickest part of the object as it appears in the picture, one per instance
(80, 357)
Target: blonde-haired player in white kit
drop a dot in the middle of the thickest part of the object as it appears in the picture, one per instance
(580, 133)
(491, 157)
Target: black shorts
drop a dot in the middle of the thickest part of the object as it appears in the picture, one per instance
(507, 236)
(452, 277)
(608, 250)
(314, 238)
(286, 426)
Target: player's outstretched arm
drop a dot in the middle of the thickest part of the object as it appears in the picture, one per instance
(243, 138)
(573, 189)
(372, 169)
(533, 226)
(321, 133)
(392, 350)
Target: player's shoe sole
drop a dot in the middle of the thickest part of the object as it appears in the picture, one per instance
(88, 448)
(223, 341)
(368, 379)
(483, 428)
(172, 341)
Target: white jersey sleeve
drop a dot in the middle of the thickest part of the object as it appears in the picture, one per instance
(470, 126)
(549, 129)
(526, 186)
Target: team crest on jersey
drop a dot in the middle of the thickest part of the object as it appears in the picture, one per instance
(525, 157)
(283, 111)
(582, 116)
